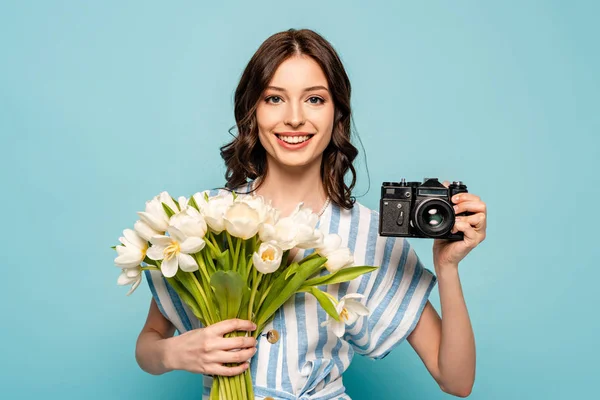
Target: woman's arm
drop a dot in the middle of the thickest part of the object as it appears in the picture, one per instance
(150, 349)
(447, 346)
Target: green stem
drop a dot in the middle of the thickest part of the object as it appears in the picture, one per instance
(256, 281)
(150, 269)
(227, 385)
(212, 248)
(213, 319)
(248, 381)
(202, 267)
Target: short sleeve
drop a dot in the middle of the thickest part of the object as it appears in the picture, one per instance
(396, 294)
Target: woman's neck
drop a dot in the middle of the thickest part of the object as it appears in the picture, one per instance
(286, 187)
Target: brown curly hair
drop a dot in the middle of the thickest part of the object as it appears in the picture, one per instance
(245, 157)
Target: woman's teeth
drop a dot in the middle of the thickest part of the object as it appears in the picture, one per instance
(294, 139)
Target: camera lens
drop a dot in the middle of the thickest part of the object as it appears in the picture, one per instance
(433, 218)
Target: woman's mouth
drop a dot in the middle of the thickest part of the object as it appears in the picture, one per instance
(294, 139)
(293, 142)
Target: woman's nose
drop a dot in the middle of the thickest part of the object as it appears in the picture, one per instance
(295, 116)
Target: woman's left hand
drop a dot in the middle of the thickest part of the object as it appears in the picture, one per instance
(451, 252)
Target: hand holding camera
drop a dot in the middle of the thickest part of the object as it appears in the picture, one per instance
(447, 213)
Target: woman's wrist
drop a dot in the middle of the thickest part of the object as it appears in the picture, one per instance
(164, 354)
(446, 270)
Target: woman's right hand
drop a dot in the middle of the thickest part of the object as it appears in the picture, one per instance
(205, 350)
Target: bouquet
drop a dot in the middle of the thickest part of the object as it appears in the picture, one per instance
(226, 256)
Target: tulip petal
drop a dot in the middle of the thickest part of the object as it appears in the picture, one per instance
(144, 230)
(128, 261)
(187, 263)
(158, 224)
(338, 328)
(169, 267)
(123, 279)
(357, 308)
(135, 239)
(134, 286)
(192, 245)
(161, 240)
(156, 252)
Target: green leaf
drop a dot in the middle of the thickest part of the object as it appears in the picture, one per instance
(228, 287)
(176, 202)
(325, 302)
(168, 210)
(114, 247)
(187, 298)
(223, 260)
(193, 203)
(206, 196)
(276, 298)
(343, 275)
(246, 292)
(291, 270)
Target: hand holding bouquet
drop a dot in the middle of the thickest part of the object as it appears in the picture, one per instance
(227, 258)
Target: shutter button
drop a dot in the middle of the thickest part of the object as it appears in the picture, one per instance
(272, 337)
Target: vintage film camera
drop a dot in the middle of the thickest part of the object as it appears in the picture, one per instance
(420, 210)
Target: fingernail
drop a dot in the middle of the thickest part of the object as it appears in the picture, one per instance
(253, 326)
(455, 208)
(455, 198)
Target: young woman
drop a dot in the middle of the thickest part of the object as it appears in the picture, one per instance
(292, 109)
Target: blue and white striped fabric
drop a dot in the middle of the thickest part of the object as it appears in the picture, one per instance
(308, 360)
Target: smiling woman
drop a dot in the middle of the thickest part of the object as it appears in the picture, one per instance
(293, 145)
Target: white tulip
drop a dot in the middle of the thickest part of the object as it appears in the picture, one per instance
(268, 258)
(190, 222)
(337, 257)
(215, 209)
(174, 251)
(349, 310)
(132, 251)
(183, 203)
(241, 220)
(130, 276)
(266, 213)
(155, 215)
(297, 230)
(200, 201)
(283, 233)
(144, 230)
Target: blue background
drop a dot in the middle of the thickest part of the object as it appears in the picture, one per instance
(105, 104)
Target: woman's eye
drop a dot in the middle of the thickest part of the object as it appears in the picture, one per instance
(273, 99)
(316, 100)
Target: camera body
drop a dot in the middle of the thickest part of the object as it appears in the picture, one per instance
(419, 210)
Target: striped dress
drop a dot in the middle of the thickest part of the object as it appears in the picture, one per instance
(307, 362)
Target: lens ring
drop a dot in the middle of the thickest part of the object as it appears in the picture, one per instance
(433, 218)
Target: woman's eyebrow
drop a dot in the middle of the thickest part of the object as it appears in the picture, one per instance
(308, 89)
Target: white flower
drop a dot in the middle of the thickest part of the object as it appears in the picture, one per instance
(190, 222)
(174, 251)
(200, 200)
(130, 276)
(266, 213)
(349, 310)
(215, 209)
(268, 258)
(132, 251)
(297, 230)
(241, 220)
(155, 215)
(144, 230)
(337, 257)
(183, 203)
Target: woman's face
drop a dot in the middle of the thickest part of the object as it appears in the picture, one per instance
(295, 114)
